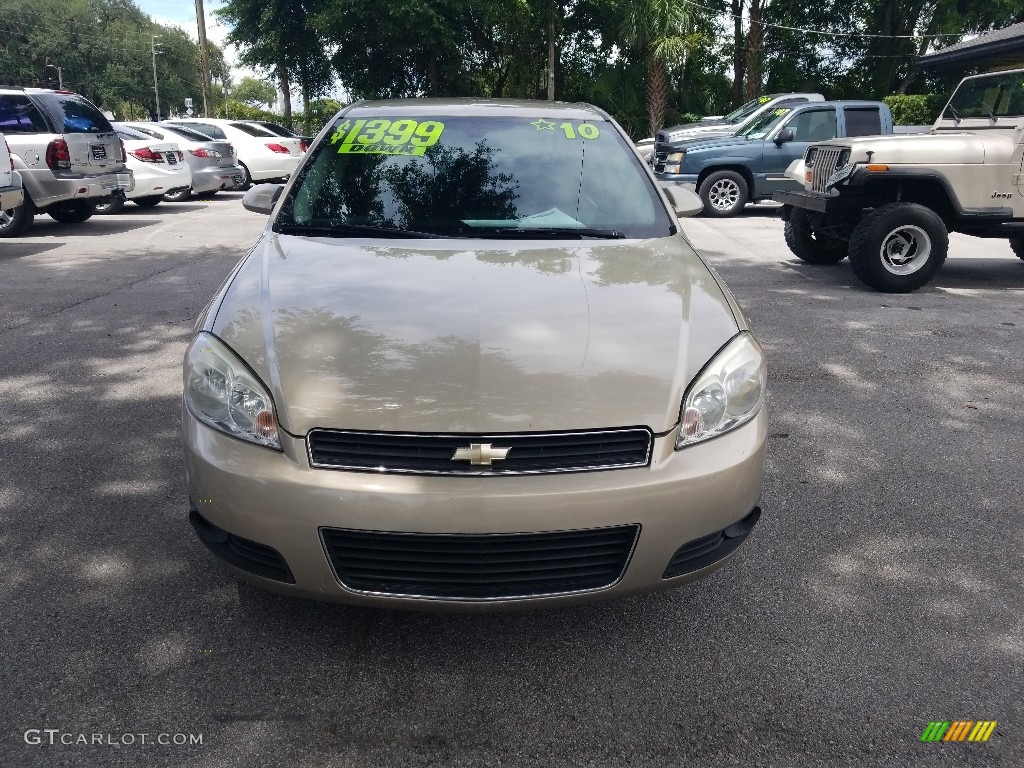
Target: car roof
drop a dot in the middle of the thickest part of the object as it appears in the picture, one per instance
(484, 107)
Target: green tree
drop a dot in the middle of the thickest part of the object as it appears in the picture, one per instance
(658, 30)
(255, 92)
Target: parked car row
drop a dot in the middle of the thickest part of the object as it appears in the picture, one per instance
(63, 157)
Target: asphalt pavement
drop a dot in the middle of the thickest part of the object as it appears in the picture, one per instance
(881, 590)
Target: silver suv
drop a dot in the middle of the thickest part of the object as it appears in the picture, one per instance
(66, 152)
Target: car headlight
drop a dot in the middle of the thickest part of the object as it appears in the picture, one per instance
(727, 393)
(675, 157)
(222, 392)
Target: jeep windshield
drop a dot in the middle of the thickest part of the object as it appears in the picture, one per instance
(991, 96)
(380, 174)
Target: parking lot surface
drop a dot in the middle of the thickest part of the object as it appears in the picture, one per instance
(881, 590)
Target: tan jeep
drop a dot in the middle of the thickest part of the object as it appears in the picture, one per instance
(889, 202)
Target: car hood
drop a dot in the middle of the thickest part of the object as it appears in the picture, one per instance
(474, 335)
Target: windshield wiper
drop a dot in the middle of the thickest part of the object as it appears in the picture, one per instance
(553, 232)
(956, 115)
(345, 229)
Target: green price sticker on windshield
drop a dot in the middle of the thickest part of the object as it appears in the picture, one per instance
(570, 131)
(387, 137)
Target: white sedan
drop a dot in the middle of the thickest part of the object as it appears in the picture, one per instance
(261, 154)
(159, 168)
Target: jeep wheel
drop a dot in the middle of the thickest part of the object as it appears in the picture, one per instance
(898, 247)
(808, 246)
(72, 213)
(724, 194)
(1017, 244)
(15, 221)
(115, 205)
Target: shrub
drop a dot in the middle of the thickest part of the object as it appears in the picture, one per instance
(915, 109)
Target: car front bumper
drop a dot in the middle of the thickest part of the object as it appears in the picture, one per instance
(274, 499)
(682, 179)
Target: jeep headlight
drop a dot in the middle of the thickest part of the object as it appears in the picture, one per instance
(223, 393)
(727, 394)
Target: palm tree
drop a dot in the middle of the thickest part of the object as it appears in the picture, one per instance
(656, 28)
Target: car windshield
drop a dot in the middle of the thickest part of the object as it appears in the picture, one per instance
(276, 129)
(475, 176)
(133, 134)
(252, 130)
(993, 96)
(185, 133)
(738, 115)
(762, 125)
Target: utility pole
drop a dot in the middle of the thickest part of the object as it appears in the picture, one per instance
(551, 53)
(60, 73)
(204, 61)
(156, 86)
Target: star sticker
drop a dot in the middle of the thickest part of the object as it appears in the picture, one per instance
(543, 125)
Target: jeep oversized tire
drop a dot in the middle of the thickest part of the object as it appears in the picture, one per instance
(813, 249)
(1017, 244)
(898, 247)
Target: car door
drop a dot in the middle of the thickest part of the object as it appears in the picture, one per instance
(808, 127)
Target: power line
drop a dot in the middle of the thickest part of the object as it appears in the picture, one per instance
(821, 31)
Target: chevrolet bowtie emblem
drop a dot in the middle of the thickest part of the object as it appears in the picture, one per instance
(480, 453)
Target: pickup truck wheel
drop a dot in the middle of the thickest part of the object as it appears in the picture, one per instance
(724, 194)
(898, 247)
(1017, 244)
(72, 213)
(812, 248)
(14, 221)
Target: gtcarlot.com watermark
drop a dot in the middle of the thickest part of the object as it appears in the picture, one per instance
(53, 737)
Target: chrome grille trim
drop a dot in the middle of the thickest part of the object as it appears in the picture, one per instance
(825, 162)
(464, 440)
(330, 551)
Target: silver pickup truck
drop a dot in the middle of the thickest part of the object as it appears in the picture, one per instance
(67, 155)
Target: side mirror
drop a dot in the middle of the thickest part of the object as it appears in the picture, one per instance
(261, 198)
(684, 202)
(786, 134)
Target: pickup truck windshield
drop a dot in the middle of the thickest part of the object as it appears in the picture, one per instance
(478, 176)
(995, 96)
(739, 115)
(763, 124)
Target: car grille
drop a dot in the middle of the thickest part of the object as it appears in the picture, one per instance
(479, 567)
(826, 161)
(530, 453)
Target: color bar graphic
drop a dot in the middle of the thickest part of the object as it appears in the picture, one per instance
(959, 730)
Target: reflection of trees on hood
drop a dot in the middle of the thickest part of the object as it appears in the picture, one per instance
(451, 184)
